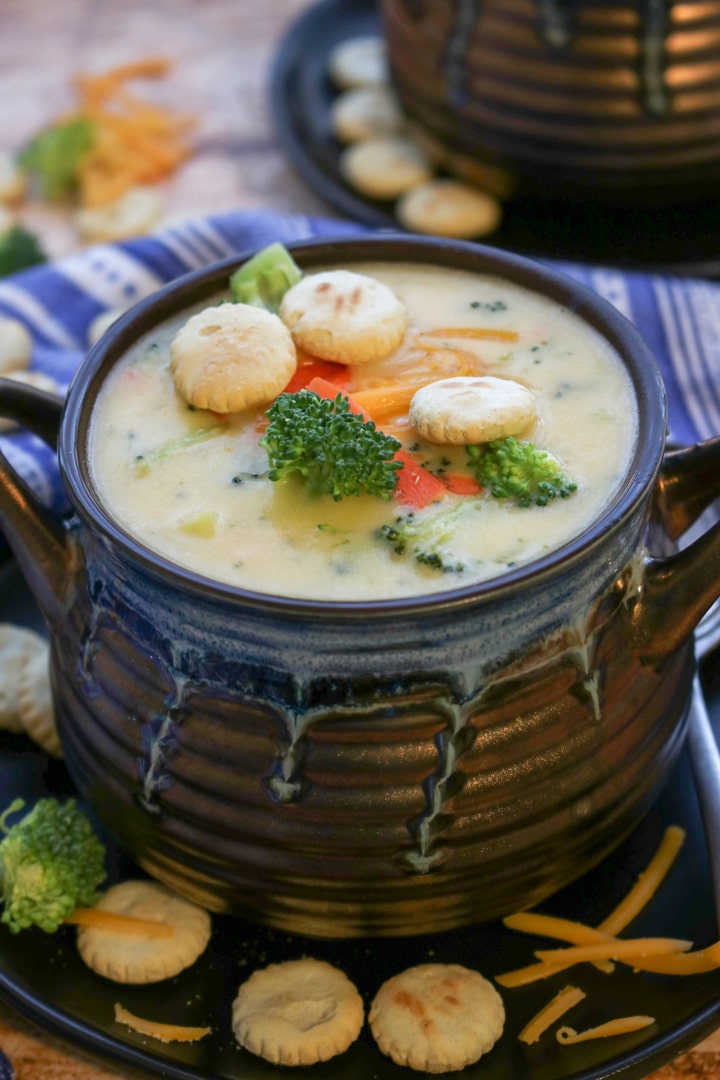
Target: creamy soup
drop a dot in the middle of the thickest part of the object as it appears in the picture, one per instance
(194, 487)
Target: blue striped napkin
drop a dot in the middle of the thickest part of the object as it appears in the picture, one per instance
(678, 317)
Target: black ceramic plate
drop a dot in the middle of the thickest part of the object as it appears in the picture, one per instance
(44, 978)
(683, 238)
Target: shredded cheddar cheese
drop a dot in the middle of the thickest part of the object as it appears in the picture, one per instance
(156, 1030)
(578, 934)
(600, 945)
(691, 963)
(441, 348)
(473, 332)
(533, 922)
(134, 142)
(614, 949)
(647, 883)
(563, 1001)
(101, 919)
(621, 1026)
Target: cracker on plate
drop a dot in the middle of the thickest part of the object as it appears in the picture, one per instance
(34, 700)
(359, 61)
(135, 958)
(15, 346)
(297, 1013)
(18, 645)
(366, 112)
(385, 166)
(444, 207)
(436, 1018)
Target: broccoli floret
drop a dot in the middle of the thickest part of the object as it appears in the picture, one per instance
(518, 471)
(428, 539)
(264, 279)
(18, 250)
(334, 450)
(55, 154)
(51, 862)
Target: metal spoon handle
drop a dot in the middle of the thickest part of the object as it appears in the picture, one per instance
(705, 760)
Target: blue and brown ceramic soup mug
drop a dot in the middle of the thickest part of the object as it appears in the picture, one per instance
(330, 734)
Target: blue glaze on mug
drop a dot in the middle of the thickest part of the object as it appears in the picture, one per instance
(373, 768)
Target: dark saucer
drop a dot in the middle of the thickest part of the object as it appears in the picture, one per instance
(682, 238)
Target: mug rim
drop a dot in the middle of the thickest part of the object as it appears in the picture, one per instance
(205, 282)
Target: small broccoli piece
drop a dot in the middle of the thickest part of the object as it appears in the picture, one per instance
(144, 461)
(55, 154)
(19, 249)
(428, 539)
(518, 471)
(264, 279)
(336, 451)
(51, 862)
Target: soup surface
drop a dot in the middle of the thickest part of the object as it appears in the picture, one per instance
(194, 486)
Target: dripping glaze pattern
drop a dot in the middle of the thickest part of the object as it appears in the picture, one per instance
(394, 767)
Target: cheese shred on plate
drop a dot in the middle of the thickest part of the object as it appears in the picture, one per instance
(623, 1025)
(564, 1000)
(629, 950)
(163, 1032)
(578, 934)
(135, 142)
(600, 946)
(116, 923)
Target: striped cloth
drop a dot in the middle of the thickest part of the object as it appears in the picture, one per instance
(678, 317)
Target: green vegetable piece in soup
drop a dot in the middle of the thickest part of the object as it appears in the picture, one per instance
(335, 451)
(518, 471)
(428, 538)
(264, 279)
(144, 461)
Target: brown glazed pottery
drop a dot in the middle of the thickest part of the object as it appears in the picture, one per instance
(618, 99)
(391, 767)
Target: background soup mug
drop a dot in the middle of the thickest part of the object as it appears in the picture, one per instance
(385, 767)
(614, 100)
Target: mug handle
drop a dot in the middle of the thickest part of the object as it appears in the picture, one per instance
(680, 588)
(33, 409)
(38, 538)
(688, 483)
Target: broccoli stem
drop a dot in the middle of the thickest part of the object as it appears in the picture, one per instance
(429, 538)
(51, 862)
(143, 462)
(264, 279)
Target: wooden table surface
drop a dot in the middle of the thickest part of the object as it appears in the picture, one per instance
(221, 51)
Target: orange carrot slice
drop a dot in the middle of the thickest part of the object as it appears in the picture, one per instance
(324, 388)
(306, 371)
(461, 484)
(416, 486)
(134, 141)
(387, 401)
